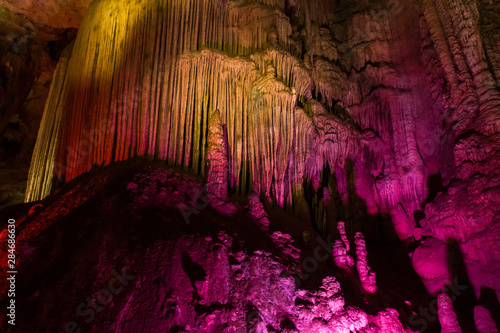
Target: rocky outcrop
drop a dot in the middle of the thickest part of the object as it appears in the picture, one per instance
(430, 261)
(61, 14)
(138, 265)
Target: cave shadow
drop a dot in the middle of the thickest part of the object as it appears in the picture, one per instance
(435, 185)
(195, 273)
(397, 282)
(488, 299)
(461, 292)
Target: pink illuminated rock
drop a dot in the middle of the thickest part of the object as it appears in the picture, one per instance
(343, 236)
(217, 167)
(217, 173)
(285, 243)
(483, 320)
(447, 316)
(256, 208)
(430, 261)
(366, 275)
(388, 321)
(353, 110)
(340, 256)
(213, 274)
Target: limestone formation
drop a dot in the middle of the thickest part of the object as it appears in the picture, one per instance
(217, 174)
(446, 314)
(366, 275)
(256, 208)
(223, 275)
(341, 248)
(383, 99)
(483, 320)
(53, 14)
(340, 256)
(383, 114)
(343, 236)
(430, 261)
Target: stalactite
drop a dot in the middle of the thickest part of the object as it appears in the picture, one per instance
(42, 163)
(148, 87)
(366, 275)
(288, 99)
(472, 94)
(151, 84)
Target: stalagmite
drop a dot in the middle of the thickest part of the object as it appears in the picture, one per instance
(483, 320)
(343, 236)
(256, 208)
(217, 174)
(340, 256)
(367, 277)
(446, 314)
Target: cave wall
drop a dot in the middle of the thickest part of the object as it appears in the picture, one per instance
(388, 107)
(287, 89)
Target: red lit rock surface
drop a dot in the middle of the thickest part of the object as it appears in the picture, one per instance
(116, 254)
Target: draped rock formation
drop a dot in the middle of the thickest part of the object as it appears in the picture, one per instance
(384, 114)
